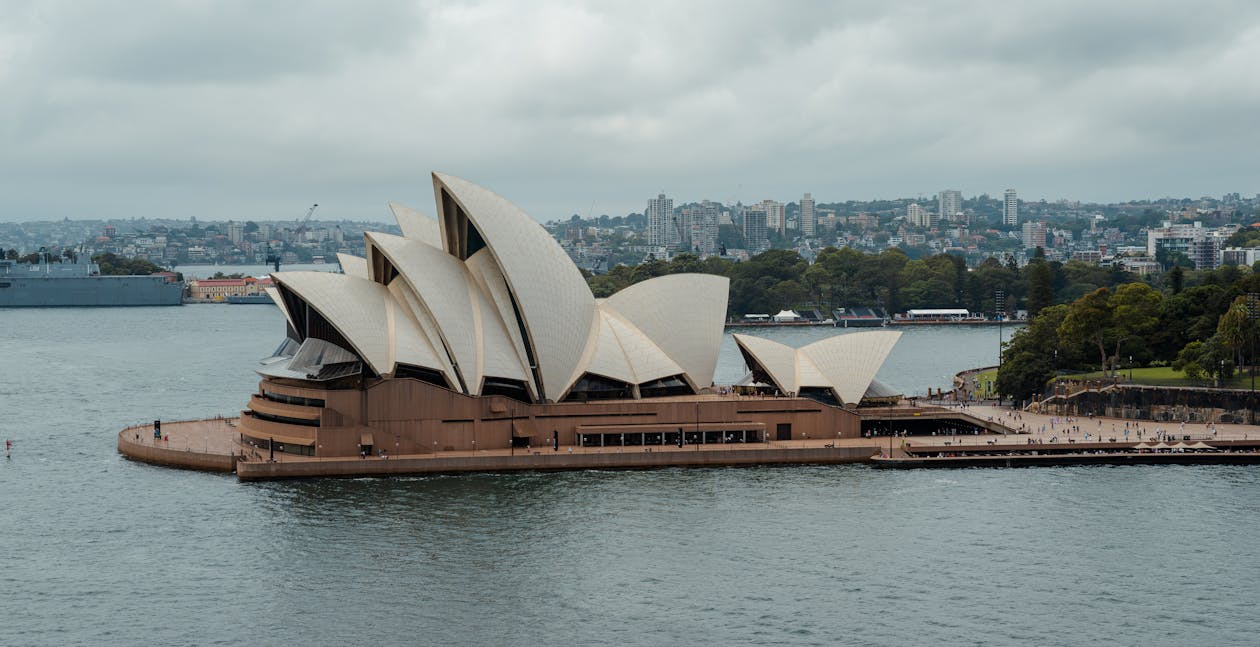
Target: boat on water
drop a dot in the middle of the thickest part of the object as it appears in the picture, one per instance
(80, 284)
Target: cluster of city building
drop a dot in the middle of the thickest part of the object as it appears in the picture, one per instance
(1142, 237)
(169, 242)
(976, 228)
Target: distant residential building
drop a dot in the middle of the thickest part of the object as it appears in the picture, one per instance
(660, 221)
(1010, 209)
(235, 231)
(1141, 266)
(917, 215)
(809, 217)
(1198, 243)
(863, 220)
(1034, 235)
(704, 228)
(776, 215)
(1240, 255)
(949, 206)
(1206, 253)
(755, 230)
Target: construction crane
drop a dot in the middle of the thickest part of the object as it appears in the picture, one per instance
(274, 258)
(305, 221)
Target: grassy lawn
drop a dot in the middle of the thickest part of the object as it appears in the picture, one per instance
(986, 380)
(1166, 376)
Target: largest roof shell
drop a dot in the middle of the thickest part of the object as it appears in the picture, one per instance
(555, 304)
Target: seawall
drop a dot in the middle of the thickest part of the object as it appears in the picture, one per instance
(138, 443)
(252, 470)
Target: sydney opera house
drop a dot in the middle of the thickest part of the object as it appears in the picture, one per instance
(474, 330)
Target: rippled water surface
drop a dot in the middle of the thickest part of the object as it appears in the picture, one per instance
(96, 550)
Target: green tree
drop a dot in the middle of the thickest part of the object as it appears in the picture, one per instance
(1135, 309)
(1090, 318)
(1189, 361)
(1039, 283)
(1235, 331)
(1177, 279)
(684, 263)
(1031, 358)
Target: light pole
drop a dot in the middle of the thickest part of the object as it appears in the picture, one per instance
(1130, 369)
(999, 303)
(1253, 314)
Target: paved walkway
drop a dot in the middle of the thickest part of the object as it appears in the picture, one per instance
(1042, 427)
(210, 436)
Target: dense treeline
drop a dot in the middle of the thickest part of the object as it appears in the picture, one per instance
(1200, 323)
(780, 279)
(112, 264)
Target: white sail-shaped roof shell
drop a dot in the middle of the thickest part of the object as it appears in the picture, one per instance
(556, 306)
(623, 352)
(846, 364)
(466, 319)
(364, 313)
(683, 314)
(355, 307)
(849, 362)
(275, 298)
(489, 279)
(353, 265)
(416, 225)
(779, 360)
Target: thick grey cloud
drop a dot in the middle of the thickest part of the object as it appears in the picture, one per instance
(254, 110)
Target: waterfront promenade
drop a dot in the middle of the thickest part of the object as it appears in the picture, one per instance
(214, 445)
(1050, 429)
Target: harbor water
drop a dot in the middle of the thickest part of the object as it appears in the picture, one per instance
(98, 550)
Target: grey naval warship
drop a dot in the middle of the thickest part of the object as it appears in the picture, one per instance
(50, 285)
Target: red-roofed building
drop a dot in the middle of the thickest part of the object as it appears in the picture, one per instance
(219, 289)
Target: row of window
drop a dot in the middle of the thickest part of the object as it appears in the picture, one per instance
(285, 398)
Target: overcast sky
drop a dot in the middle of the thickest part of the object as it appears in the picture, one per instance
(255, 110)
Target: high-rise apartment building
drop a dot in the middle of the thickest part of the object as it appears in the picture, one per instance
(755, 230)
(949, 206)
(809, 217)
(776, 215)
(660, 221)
(917, 215)
(704, 228)
(1034, 235)
(1010, 209)
(1198, 243)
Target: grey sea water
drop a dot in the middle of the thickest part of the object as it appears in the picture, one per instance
(97, 550)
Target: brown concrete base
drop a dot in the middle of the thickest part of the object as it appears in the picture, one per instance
(137, 443)
(213, 445)
(252, 470)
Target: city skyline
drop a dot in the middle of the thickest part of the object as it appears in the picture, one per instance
(235, 110)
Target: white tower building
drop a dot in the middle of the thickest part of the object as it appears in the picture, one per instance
(1010, 209)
